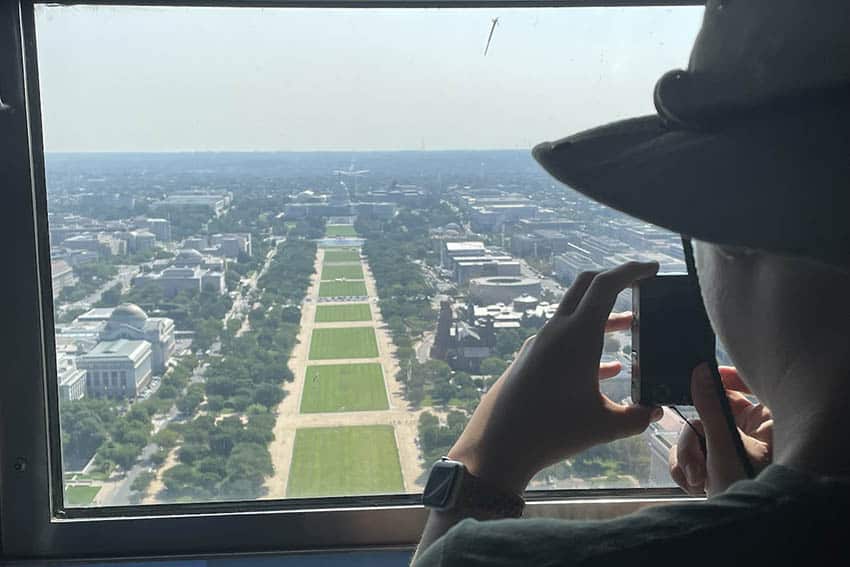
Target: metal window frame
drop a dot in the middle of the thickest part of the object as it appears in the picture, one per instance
(33, 522)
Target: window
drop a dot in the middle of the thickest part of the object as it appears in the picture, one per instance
(313, 238)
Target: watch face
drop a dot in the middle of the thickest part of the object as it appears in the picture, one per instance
(442, 484)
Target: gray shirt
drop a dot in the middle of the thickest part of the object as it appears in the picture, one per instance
(782, 517)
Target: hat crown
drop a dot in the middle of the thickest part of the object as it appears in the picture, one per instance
(763, 49)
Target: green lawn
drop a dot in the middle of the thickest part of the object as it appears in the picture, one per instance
(344, 461)
(342, 255)
(344, 387)
(339, 271)
(352, 288)
(333, 230)
(348, 312)
(352, 342)
(80, 495)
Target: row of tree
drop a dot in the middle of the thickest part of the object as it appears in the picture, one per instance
(89, 278)
(221, 459)
(117, 434)
(393, 248)
(223, 451)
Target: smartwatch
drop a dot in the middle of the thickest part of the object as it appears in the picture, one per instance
(451, 487)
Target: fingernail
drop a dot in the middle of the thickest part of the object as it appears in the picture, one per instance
(657, 414)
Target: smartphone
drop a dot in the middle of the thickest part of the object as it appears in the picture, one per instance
(671, 335)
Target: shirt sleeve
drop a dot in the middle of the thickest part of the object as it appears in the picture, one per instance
(499, 543)
(643, 537)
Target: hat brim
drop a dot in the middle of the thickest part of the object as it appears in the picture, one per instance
(780, 185)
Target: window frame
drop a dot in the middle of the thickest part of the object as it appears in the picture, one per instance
(33, 521)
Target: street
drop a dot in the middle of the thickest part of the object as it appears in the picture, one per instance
(124, 276)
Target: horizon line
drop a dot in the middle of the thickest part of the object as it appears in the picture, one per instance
(316, 151)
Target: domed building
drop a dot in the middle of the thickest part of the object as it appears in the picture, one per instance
(127, 314)
(129, 321)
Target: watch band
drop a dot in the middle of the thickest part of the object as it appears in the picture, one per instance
(482, 500)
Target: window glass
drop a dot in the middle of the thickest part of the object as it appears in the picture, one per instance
(305, 242)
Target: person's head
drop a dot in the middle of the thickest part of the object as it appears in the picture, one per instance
(748, 146)
(778, 317)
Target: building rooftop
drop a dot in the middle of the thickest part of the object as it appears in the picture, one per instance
(464, 246)
(59, 267)
(129, 313)
(96, 314)
(122, 348)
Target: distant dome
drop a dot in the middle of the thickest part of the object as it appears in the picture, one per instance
(128, 314)
(452, 226)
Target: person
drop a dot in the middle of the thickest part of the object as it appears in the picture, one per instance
(749, 154)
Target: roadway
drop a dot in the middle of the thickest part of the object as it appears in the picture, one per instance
(547, 283)
(124, 277)
(117, 493)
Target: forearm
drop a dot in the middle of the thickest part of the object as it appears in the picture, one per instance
(436, 526)
(439, 523)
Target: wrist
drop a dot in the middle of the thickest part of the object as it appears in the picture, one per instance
(503, 476)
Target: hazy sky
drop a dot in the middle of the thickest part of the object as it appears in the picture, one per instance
(168, 79)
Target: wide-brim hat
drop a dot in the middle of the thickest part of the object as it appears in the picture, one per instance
(749, 147)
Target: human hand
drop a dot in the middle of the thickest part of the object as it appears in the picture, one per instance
(547, 405)
(715, 470)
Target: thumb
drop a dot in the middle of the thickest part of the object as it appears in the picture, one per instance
(632, 419)
(722, 462)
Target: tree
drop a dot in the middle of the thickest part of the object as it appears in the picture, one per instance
(184, 480)
(111, 297)
(291, 314)
(122, 454)
(268, 394)
(167, 392)
(508, 342)
(493, 366)
(443, 392)
(189, 453)
(142, 481)
(249, 460)
(166, 438)
(158, 457)
(84, 428)
(190, 402)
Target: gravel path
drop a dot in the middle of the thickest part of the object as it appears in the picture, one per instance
(403, 420)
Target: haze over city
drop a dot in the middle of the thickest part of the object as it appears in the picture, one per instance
(169, 79)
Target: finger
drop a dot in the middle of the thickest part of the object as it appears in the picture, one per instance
(609, 369)
(725, 467)
(600, 296)
(619, 322)
(627, 420)
(739, 404)
(732, 380)
(678, 475)
(676, 472)
(690, 456)
(575, 293)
